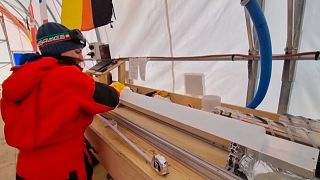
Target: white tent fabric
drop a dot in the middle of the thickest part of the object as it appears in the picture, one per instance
(202, 27)
(305, 94)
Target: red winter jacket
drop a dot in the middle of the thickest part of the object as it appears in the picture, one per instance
(46, 108)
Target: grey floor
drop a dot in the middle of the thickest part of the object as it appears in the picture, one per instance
(7, 157)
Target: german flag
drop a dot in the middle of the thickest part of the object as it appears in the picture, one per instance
(86, 14)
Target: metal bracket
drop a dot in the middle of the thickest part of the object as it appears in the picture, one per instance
(159, 164)
(244, 2)
(234, 157)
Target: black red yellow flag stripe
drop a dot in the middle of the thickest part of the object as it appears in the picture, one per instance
(86, 14)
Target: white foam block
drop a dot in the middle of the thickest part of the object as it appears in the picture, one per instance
(245, 134)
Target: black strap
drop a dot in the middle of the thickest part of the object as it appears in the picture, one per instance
(232, 57)
(316, 57)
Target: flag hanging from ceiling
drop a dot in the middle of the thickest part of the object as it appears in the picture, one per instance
(86, 14)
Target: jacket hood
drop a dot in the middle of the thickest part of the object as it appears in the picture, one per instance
(25, 78)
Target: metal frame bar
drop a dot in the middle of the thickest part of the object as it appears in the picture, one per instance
(4, 29)
(283, 154)
(232, 57)
(170, 45)
(51, 13)
(203, 167)
(295, 9)
(26, 11)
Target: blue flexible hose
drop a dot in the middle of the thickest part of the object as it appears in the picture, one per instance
(265, 48)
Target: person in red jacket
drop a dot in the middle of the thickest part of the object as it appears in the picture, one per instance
(48, 102)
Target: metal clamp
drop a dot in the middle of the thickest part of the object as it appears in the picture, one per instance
(288, 129)
(233, 164)
(244, 2)
(159, 164)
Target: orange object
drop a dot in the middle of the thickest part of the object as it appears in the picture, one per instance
(118, 86)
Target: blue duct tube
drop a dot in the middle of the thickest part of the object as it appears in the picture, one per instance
(265, 48)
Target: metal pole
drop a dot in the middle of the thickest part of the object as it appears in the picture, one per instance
(249, 30)
(293, 43)
(98, 34)
(135, 147)
(311, 56)
(59, 3)
(252, 73)
(3, 25)
(170, 45)
(26, 11)
(51, 13)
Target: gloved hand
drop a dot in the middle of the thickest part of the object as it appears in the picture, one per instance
(118, 86)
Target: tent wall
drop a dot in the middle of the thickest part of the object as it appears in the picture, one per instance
(305, 97)
(202, 27)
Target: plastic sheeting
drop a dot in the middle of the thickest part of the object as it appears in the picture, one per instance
(305, 98)
(197, 28)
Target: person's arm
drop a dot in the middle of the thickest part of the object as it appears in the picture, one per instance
(82, 88)
(106, 95)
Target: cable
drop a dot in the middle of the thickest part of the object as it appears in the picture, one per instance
(170, 46)
(265, 48)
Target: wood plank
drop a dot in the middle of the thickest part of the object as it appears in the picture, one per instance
(122, 73)
(122, 162)
(8, 155)
(259, 113)
(195, 102)
(204, 150)
(284, 154)
(298, 134)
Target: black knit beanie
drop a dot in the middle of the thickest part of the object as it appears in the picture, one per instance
(54, 39)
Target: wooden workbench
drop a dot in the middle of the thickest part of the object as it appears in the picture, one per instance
(122, 162)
